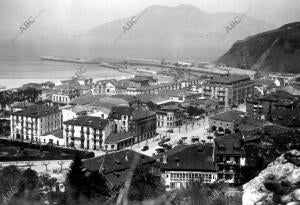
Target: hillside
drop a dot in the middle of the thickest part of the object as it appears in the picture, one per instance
(274, 51)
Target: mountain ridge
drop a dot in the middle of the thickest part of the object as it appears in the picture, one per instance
(179, 22)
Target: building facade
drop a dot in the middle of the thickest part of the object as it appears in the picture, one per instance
(261, 107)
(186, 164)
(33, 122)
(226, 122)
(230, 157)
(229, 89)
(170, 116)
(87, 132)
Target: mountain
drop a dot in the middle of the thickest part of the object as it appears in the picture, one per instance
(274, 51)
(180, 22)
(183, 30)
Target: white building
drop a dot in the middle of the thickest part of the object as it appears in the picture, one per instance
(87, 132)
(32, 123)
(188, 163)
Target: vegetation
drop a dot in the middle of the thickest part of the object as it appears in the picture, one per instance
(20, 151)
(8, 97)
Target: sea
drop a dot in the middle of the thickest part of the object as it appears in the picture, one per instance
(17, 72)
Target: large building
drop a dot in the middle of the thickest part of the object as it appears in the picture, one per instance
(116, 167)
(140, 121)
(170, 116)
(229, 157)
(35, 121)
(229, 89)
(144, 124)
(226, 122)
(87, 132)
(187, 163)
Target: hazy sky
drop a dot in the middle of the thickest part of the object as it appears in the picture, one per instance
(76, 16)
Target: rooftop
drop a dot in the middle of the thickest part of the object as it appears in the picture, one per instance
(22, 104)
(229, 145)
(37, 111)
(116, 161)
(142, 113)
(229, 79)
(191, 158)
(117, 137)
(88, 121)
(229, 116)
(122, 110)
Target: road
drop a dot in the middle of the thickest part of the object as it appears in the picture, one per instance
(199, 129)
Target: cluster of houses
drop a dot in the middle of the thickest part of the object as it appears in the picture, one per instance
(112, 115)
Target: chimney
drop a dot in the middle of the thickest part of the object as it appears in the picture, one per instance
(165, 159)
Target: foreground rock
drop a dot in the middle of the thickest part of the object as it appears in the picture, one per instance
(279, 183)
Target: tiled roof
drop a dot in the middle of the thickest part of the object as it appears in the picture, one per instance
(172, 108)
(116, 161)
(138, 79)
(229, 79)
(229, 116)
(22, 104)
(191, 158)
(37, 111)
(142, 113)
(227, 143)
(88, 121)
(117, 137)
(122, 110)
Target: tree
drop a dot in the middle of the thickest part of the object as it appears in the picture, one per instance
(213, 128)
(144, 185)
(97, 185)
(76, 179)
(227, 131)
(30, 179)
(47, 181)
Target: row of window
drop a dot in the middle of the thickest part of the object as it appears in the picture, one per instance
(182, 176)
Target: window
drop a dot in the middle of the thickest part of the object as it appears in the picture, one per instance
(172, 185)
(112, 146)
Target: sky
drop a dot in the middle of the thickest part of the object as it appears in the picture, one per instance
(78, 16)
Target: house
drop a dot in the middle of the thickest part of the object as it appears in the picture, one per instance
(262, 106)
(144, 124)
(226, 122)
(118, 141)
(187, 163)
(106, 87)
(229, 89)
(54, 138)
(293, 88)
(140, 121)
(170, 116)
(116, 166)
(123, 117)
(229, 157)
(209, 105)
(87, 132)
(70, 112)
(35, 121)
(263, 86)
(64, 94)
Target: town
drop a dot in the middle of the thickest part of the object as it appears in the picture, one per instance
(213, 128)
